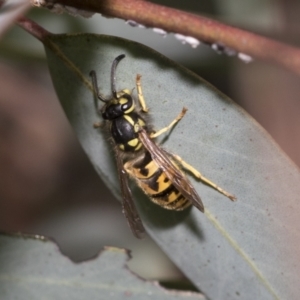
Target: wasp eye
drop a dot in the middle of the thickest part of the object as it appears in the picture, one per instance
(126, 102)
(125, 106)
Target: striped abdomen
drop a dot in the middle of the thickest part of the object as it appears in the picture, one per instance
(153, 181)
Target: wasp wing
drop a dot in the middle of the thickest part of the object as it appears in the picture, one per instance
(128, 205)
(180, 182)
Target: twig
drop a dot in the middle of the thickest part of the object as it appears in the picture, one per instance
(33, 28)
(204, 29)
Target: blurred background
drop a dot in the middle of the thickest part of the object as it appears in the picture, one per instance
(48, 186)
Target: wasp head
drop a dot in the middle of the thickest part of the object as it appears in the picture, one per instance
(121, 103)
(116, 107)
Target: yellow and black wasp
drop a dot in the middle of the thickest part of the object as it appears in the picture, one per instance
(156, 171)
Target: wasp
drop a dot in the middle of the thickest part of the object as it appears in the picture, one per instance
(156, 171)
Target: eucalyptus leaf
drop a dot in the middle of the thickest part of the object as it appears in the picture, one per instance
(32, 268)
(248, 249)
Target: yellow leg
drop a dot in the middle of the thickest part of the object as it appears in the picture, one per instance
(198, 175)
(140, 93)
(145, 109)
(178, 118)
(98, 124)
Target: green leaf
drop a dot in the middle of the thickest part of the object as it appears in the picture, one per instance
(243, 250)
(33, 268)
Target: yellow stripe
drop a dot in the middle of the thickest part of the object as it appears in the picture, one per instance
(130, 109)
(138, 147)
(151, 167)
(162, 185)
(123, 100)
(141, 123)
(133, 142)
(129, 119)
(173, 196)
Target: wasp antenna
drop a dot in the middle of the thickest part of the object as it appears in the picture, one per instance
(95, 86)
(113, 74)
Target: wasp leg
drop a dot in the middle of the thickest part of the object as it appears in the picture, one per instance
(173, 123)
(140, 93)
(98, 124)
(198, 175)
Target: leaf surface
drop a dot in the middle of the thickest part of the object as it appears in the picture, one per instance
(248, 249)
(33, 268)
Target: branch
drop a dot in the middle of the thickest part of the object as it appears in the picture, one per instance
(204, 29)
(33, 28)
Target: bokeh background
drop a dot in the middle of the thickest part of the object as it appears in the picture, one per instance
(48, 186)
